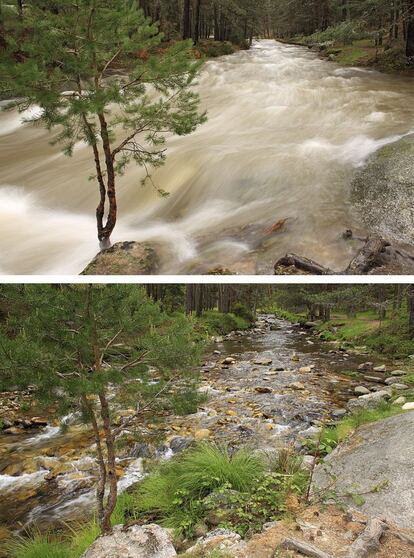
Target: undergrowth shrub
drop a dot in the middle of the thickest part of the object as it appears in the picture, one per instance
(346, 33)
(209, 485)
(218, 323)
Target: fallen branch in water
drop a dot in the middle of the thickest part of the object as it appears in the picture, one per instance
(303, 264)
(369, 257)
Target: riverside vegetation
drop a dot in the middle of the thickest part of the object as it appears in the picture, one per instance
(245, 437)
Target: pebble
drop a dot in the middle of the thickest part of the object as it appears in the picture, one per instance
(381, 368)
(202, 434)
(400, 401)
(298, 386)
(398, 373)
(361, 390)
(263, 389)
(408, 406)
(228, 360)
(263, 361)
(366, 366)
(392, 380)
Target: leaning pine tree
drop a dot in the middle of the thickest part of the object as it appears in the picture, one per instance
(100, 74)
(75, 342)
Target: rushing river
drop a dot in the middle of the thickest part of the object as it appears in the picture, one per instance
(286, 132)
(48, 476)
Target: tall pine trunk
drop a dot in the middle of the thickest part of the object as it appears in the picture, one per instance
(197, 22)
(105, 232)
(409, 49)
(410, 303)
(187, 20)
(111, 465)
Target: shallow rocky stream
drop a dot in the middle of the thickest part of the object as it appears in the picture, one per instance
(266, 387)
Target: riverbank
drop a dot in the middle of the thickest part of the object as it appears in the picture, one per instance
(362, 53)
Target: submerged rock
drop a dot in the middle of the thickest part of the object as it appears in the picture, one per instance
(149, 541)
(373, 469)
(124, 258)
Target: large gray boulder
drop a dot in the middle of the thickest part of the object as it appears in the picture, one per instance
(383, 192)
(148, 541)
(373, 470)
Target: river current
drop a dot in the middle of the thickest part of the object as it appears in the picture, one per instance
(286, 132)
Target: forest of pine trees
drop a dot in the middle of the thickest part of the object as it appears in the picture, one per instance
(239, 21)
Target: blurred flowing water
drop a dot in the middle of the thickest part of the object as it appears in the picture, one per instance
(286, 132)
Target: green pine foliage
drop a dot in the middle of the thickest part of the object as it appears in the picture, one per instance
(49, 336)
(98, 73)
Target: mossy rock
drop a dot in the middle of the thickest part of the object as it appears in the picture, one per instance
(383, 191)
(124, 258)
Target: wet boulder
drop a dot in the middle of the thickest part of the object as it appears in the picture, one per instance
(124, 258)
(383, 191)
(148, 541)
(179, 443)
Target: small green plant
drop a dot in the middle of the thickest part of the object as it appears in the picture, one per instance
(187, 402)
(331, 436)
(209, 485)
(174, 494)
(217, 323)
(242, 311)
(408, 380)
(82, 535)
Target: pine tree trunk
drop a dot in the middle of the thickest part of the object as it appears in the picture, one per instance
(197, 23)
(111, 465)
(410, 301)
(409, 49)
(186, 20)
(216, 23)
(20, 8)
(105, 233)
(100, 489)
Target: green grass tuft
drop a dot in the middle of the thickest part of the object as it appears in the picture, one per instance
(38, 545)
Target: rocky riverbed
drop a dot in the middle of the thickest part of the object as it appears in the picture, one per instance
(273, 385)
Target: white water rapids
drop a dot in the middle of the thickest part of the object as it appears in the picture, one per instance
(286, 132)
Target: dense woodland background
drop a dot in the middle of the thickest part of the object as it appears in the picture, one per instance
(239, 21)
(387, 22)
